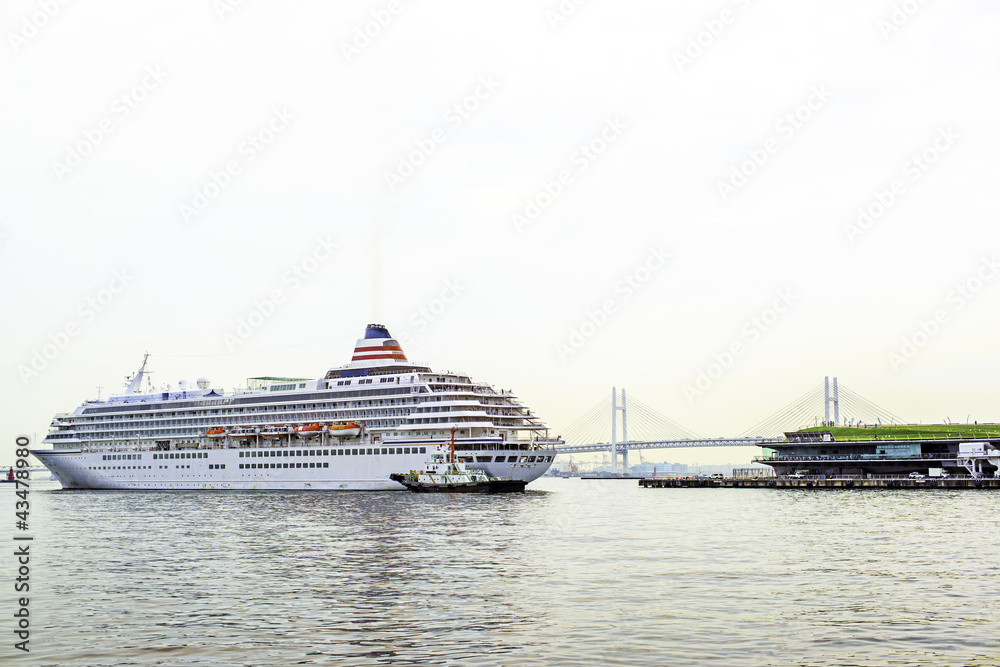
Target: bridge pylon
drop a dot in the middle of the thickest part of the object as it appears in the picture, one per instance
(614, 430)
(827, 400)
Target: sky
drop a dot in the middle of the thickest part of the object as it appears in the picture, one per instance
(712, 204)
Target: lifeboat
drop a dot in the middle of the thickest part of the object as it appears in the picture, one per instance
(217, 432)
(242, 433)
(274, 431)
(309, 430)
(349, 430)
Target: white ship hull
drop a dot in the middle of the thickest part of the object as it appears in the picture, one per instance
(237, 468)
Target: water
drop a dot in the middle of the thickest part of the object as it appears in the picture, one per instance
(571, 572)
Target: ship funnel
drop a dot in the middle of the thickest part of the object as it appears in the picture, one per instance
(377, 346)
(376, 331)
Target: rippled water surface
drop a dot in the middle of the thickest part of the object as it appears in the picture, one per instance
(571, 572)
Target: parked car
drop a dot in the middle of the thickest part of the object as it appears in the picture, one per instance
(796, 475)
(917, 475)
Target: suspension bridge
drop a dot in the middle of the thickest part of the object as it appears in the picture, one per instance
(652, 430)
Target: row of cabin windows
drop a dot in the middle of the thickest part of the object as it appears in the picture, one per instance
(321, 452)
(202, 417)
(331, 452)
(219, 406)
(255, 466)
(509, 459)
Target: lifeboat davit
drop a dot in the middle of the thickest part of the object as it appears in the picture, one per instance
(217, 432)
(309, 430)
(349, 430)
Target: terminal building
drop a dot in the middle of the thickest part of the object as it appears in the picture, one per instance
(819, 452)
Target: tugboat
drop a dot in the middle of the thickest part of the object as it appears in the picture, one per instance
(451, 476)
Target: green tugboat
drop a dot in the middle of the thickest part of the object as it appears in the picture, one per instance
(451, 476)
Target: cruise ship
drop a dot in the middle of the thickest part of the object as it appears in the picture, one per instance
(348, 430)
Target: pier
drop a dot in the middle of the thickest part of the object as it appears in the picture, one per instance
(822, 483)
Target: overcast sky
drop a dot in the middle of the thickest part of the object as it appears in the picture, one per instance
(713, 204)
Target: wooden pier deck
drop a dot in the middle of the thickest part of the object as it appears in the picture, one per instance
(817, 483)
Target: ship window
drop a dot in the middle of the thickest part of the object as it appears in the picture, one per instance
(241, 456)
(354, 452)
(298, 452)
(284, 465)
(312, 452)
(241, 466)
(423, 450)
(483, 459)
(285, 453)
(501, 459)
(312, 465)
(298, 465)
(326, 464)
(326, 452)
(531, 459)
